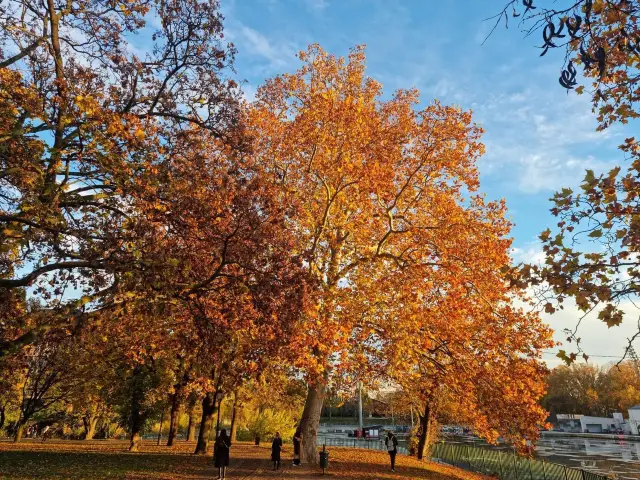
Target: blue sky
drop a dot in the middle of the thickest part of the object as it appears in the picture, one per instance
(538, 137)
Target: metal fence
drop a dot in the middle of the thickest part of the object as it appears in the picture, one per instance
(506, 466)
(366, 443)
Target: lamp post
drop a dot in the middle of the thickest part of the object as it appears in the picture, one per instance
(219, 397)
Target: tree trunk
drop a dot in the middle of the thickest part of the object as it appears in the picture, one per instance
(90, 422)
(136, 429)
(136, 441)
(2, 416)
(19, 431)
(160, 430)
(176, 405)
(234, 419)
(191, 429)
(425, 426)
(310, 422)
(209, 409)
(138, 415)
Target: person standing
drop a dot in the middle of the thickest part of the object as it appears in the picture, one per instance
(221, 453)
(392, 447)
(297, 444)
(276, 448)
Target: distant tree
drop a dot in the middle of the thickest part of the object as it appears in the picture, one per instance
(264, 424)
(623, 390)
(577, 389)
(48, 377)
(591, 390)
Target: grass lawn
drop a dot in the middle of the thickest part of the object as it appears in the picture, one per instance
(109, 459)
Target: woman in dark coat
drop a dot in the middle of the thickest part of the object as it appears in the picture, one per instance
(392, 447)
(221, 453)
(276, 448)
(297, 443)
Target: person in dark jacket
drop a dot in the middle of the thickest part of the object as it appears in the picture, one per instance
(297, 444)
(392, 447)
(221, 453)
(276, 448)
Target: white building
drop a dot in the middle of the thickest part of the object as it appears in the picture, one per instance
(634, 419)
(602, 424)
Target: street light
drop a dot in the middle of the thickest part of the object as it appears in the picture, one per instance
(219, 397)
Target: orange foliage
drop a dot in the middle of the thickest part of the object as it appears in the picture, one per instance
(406, 256)
(371, 186)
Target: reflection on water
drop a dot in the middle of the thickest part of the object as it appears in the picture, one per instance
(611, 457)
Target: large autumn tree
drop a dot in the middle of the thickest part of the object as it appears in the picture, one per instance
(225, 264)
(458, 330)
(467, 351)
(592, 255)
(375, 188)
(84, 120)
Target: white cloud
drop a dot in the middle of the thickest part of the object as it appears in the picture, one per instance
(317, 5)
(554, 169)
(442, 88)
(602, 344)
(531, 253)
(536, 142)
(248, 92)
(277, 53)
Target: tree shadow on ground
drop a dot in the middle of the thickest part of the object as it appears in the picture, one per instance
(101, 465)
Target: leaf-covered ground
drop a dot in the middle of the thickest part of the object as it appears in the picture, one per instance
(109, 459)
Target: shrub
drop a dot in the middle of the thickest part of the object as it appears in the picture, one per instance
(266, 423)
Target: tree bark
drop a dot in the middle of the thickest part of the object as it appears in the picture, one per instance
(90, 422)
(234, 418)
(425, 426)
(174, 420)
(19, 431)
(191, 429)
(209, 409)
(176, 403)
(138, 415)
(310, 422)
(176, 407)
(136, 441)
(136, 429)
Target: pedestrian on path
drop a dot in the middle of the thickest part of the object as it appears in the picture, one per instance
(221, 453)
(297, 445)
(392, 447)
(276, 447)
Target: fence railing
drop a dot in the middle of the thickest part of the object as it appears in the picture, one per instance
(506, 466)
(366, 443)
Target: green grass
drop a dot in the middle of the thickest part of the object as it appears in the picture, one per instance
(99, 460)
